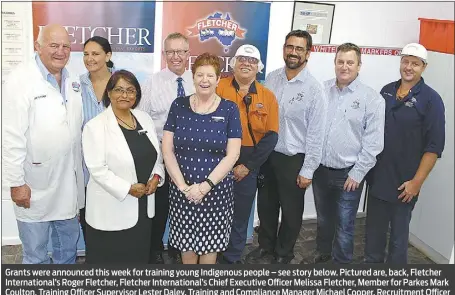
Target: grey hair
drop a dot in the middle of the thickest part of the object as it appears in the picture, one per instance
(174, 36)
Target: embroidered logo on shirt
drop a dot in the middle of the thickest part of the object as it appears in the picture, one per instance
(76, 86)
(299, 97)
(355, 104)
(259, 105)
(389, 94)
(411, 103)
(40, 96)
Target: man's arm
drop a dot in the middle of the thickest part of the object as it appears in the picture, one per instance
(372, 140)
(267, 143)
(434, 128)
(16, 106)
(315, 135)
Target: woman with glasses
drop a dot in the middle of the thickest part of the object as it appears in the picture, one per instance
(97, 61)
(123, 157)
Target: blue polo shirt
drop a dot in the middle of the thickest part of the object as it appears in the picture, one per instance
(413, 126)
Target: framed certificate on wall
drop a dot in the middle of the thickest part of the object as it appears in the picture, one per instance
(315, 18)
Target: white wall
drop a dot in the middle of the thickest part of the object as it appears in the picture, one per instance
(432, 224)
(379, 24)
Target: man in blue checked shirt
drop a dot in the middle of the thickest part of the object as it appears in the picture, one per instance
(414, 140)
(354, 136)
(297, 154)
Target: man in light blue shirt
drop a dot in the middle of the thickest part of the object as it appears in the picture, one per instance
(354, 136)
(290, 167)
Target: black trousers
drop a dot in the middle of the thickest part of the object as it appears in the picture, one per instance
(382, 216)
(160, 219)
(280, 192)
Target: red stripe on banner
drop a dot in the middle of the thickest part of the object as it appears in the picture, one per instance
(363, 50)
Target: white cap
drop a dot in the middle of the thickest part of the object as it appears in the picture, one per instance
(251, 51)
(417, 50)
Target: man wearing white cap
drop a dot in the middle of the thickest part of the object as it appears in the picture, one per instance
(259, 117)
(414, 140)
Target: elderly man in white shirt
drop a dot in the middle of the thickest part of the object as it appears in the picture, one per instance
(353, 138)
(290, 167)
(158, 93)
(42, 157)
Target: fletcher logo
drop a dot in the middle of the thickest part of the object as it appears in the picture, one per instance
(225, 30)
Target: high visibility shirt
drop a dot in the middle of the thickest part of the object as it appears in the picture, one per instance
(262, 115)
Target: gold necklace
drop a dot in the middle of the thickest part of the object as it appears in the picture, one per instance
(132, 127)
(207, 110)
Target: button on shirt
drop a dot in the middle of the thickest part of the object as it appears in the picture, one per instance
(51, 79)
(413, 126)
(354, 133)
(302, 110)
(158, 93)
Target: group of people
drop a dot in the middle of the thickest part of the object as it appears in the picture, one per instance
(189, 147)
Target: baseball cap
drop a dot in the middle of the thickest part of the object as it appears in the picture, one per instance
(417, 50)
(250, 51)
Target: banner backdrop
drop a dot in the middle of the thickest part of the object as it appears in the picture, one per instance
(129, 27)
(219, 28)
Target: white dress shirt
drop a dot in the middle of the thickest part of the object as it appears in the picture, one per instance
(158, 93)
(303, 108)
(354, 133)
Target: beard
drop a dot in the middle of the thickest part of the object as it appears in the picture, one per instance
(294, 65)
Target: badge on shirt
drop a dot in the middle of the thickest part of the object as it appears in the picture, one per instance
(411, 103)
(355, 104)
(40, 96)
(76, 86)
(217, 119)
(259, 105)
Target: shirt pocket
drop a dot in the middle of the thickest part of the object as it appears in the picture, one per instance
(38, 175)
(258, 118)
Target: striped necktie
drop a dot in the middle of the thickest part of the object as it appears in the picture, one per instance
(180, 89)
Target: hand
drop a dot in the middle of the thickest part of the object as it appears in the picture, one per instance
(350, 185)
(151, 186)
(411, 189)
(195, 193)
(21, 195)
(240, 171)
(303, 182)
(137, 190)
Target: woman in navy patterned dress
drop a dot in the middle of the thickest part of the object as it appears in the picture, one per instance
(201, 143)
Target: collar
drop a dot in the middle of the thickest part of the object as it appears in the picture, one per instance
(415, 89)
(301, 76)
(351, 86)
(236, 85)
(85, 78)
(186, 76)
(45, 72)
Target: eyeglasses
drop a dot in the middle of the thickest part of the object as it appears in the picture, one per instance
(120, 91)
(250, 59)
(178, 52)
(298, 49)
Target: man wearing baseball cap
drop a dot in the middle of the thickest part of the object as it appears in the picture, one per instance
(414, 139)
(259, 118)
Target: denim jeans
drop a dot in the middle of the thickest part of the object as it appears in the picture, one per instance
(382, 215)
(336, 213)
(244, 193)
(35, 238)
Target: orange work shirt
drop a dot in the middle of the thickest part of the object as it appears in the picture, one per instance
(263, 111)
